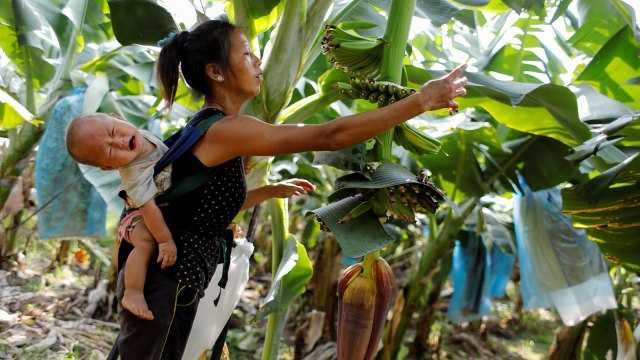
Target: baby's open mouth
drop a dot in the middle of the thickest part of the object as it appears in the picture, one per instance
(132, 143)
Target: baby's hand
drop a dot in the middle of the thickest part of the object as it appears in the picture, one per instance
(292, 187)
(167, 253)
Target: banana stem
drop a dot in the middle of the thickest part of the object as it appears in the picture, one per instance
(279, 221)
(367, 263)
(275, 326)
(395, 36)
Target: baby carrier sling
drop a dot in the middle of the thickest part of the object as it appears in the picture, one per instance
(181, 142)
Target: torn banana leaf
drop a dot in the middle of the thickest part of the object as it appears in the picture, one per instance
(385, 175)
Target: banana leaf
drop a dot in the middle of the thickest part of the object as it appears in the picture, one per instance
(12, 113)
(387, 174)
(613, 66)
(280, 76)
(597, 107)
(358, 237)
(613, 221)
(515, 104)
(353, 158)
(141, 22)
(294, 272)
(31, 30)
(540, 160)
(602, 337)
(256, 17)
(459, 171)
(599, 21)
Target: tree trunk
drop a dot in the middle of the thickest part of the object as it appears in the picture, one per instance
(427, 317)
(567, 343)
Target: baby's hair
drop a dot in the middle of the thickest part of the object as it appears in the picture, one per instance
(73, 134)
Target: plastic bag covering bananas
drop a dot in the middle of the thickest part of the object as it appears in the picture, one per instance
(355, 53)
(365, 294)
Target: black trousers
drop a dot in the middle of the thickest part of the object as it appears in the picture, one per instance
(165, 337)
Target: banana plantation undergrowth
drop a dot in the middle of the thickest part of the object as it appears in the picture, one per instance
(67, 312)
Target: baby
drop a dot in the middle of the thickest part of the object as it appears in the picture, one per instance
(110, 142)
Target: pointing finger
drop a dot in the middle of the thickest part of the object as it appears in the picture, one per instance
(456, 72)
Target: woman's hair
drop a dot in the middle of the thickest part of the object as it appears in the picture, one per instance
(192, 51)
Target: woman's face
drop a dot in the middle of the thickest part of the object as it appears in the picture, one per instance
(247, 74)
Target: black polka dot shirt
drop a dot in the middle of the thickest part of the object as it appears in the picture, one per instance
(201, 216)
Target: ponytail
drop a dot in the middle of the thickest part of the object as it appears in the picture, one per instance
(191, 52)
(168, 62)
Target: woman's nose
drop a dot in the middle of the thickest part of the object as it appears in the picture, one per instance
(257, 60)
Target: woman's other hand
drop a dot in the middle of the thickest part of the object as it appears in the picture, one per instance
(292, 187)
(439, 93)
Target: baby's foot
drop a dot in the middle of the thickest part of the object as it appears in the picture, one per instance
(134, 301)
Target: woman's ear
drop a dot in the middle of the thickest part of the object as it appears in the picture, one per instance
(213, 72)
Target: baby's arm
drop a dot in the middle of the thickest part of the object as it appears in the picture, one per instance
(283, 189)
(160, 231)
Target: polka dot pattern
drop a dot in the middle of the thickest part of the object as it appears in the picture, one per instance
(202, 217)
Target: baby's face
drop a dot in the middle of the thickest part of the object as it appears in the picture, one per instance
(111, 142)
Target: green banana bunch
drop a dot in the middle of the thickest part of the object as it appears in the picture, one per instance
(365, 294)
(415, 140)
(382, 92)
(400, 202)
(355, 53)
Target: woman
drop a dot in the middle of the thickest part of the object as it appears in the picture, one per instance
(217, 63)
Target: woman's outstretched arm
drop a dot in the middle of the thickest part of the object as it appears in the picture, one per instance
(263, 139)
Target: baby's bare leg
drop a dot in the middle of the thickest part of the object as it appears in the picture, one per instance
(136, 271)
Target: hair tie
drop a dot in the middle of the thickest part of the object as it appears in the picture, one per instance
(167, 39)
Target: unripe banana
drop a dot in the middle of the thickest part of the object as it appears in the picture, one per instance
(355, 83)
(372, 85)
(345, 89)
(419, 139)
(402, 92)
(353, 52)
(373, 97)
(356, 211)
(382, 99)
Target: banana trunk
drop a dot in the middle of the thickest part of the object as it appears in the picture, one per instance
(365, 294)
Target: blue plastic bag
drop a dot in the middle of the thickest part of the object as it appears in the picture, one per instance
(470, 276)
(70, 207)
(559, 265)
